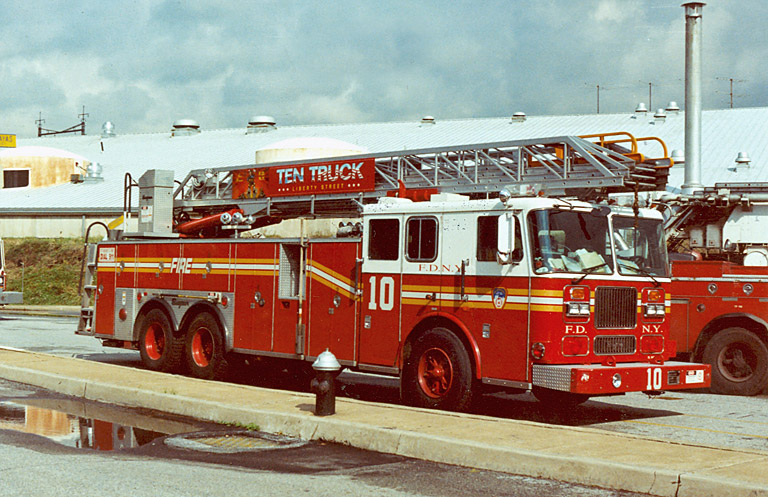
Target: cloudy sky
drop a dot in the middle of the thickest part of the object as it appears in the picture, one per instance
(142, 64)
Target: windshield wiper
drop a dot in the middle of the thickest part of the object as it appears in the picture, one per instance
(642, 271)
(587, 271)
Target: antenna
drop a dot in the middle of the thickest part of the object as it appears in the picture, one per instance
(77, 128)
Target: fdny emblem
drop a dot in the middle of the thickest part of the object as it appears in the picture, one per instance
(499, 298)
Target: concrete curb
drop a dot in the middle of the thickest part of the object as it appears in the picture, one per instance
(293, 417)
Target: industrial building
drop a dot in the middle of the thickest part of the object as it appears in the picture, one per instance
(55, 186)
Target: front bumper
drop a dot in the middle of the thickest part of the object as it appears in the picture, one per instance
(596, 379)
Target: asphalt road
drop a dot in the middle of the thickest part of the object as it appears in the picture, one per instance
(692, 417)
(52, 445)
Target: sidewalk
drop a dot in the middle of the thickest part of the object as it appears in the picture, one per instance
(42, 310)
(577, 455)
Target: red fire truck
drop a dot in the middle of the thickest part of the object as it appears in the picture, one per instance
(444, 282)
(719, 295)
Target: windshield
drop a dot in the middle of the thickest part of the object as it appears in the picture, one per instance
(570, 241)
(640, 250)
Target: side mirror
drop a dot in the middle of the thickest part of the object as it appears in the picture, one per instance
(505, 238)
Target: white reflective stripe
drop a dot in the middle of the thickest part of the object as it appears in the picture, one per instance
(547, 300)
(332, 279)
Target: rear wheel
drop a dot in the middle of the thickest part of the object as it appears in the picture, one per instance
(739, 362)
(160, 350)
(438, 372)
(204, 348)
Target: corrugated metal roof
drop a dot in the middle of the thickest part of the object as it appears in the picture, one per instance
(725, 133)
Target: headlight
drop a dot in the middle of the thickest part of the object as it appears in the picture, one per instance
(578, 309)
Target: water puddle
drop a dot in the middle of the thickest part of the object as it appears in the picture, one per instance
(85, 425)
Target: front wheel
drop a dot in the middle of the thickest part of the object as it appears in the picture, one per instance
(438, 372)
(204, 348)
(739, 362)
(160, 350)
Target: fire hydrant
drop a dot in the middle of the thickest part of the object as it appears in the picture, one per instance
(327, 368)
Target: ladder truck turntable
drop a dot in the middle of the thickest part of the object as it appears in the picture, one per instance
(439, 284)
(719, 314)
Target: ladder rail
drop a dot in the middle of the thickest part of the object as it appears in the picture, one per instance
(563, 163)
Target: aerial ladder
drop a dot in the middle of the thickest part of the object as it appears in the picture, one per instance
(588, 167)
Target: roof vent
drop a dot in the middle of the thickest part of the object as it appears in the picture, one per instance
(743, 159)
(518, 117)
(660, 116)
(742, 162)
(93, 172)
(641, 107)
(107, 130)
(427, 120)
(261, 124)
(677, 156)
(185, 127)
(672, 107)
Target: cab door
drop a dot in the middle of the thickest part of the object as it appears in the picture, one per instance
(381, 283)
(497, 302)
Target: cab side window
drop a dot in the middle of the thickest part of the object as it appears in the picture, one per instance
(488, 237)
(383, 236)
(421, 239)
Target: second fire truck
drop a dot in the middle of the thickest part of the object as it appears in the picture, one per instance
(720, 283)
(445, 282)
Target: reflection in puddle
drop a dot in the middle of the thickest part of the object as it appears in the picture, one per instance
(83, 425)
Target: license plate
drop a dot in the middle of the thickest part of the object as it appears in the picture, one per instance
(694, 376)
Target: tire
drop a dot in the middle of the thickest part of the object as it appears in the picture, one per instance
(438, 372)
(739, 362)
(204, 348)
(557, 400)
(160, 349)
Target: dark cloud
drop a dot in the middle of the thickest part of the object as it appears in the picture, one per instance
(143, 64)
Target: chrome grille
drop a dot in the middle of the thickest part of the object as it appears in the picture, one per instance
(615, 307)
(615, 345)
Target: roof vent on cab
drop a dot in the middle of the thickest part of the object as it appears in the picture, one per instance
(185, 127)
(518, 117)
(428, 120)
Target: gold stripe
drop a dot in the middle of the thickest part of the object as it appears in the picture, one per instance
(333, 273)
(332, 285)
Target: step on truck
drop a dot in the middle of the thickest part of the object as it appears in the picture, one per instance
(445, 280)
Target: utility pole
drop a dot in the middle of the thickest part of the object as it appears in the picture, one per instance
(598, 99)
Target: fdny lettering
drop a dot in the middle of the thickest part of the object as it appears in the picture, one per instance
(651, 328)
(439, 268)
(321, 173)
(573, 329)
(181, 265)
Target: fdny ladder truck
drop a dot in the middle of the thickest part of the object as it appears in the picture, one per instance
(719, 313)
(444, 282)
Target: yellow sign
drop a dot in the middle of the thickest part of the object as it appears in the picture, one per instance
(116, 222)
(8, 141)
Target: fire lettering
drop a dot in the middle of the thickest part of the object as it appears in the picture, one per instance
(574, 329)
(181, 265)
(334, 172)
(290, 175)
(651, 328)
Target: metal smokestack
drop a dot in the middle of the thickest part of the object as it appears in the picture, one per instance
(692, 97)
